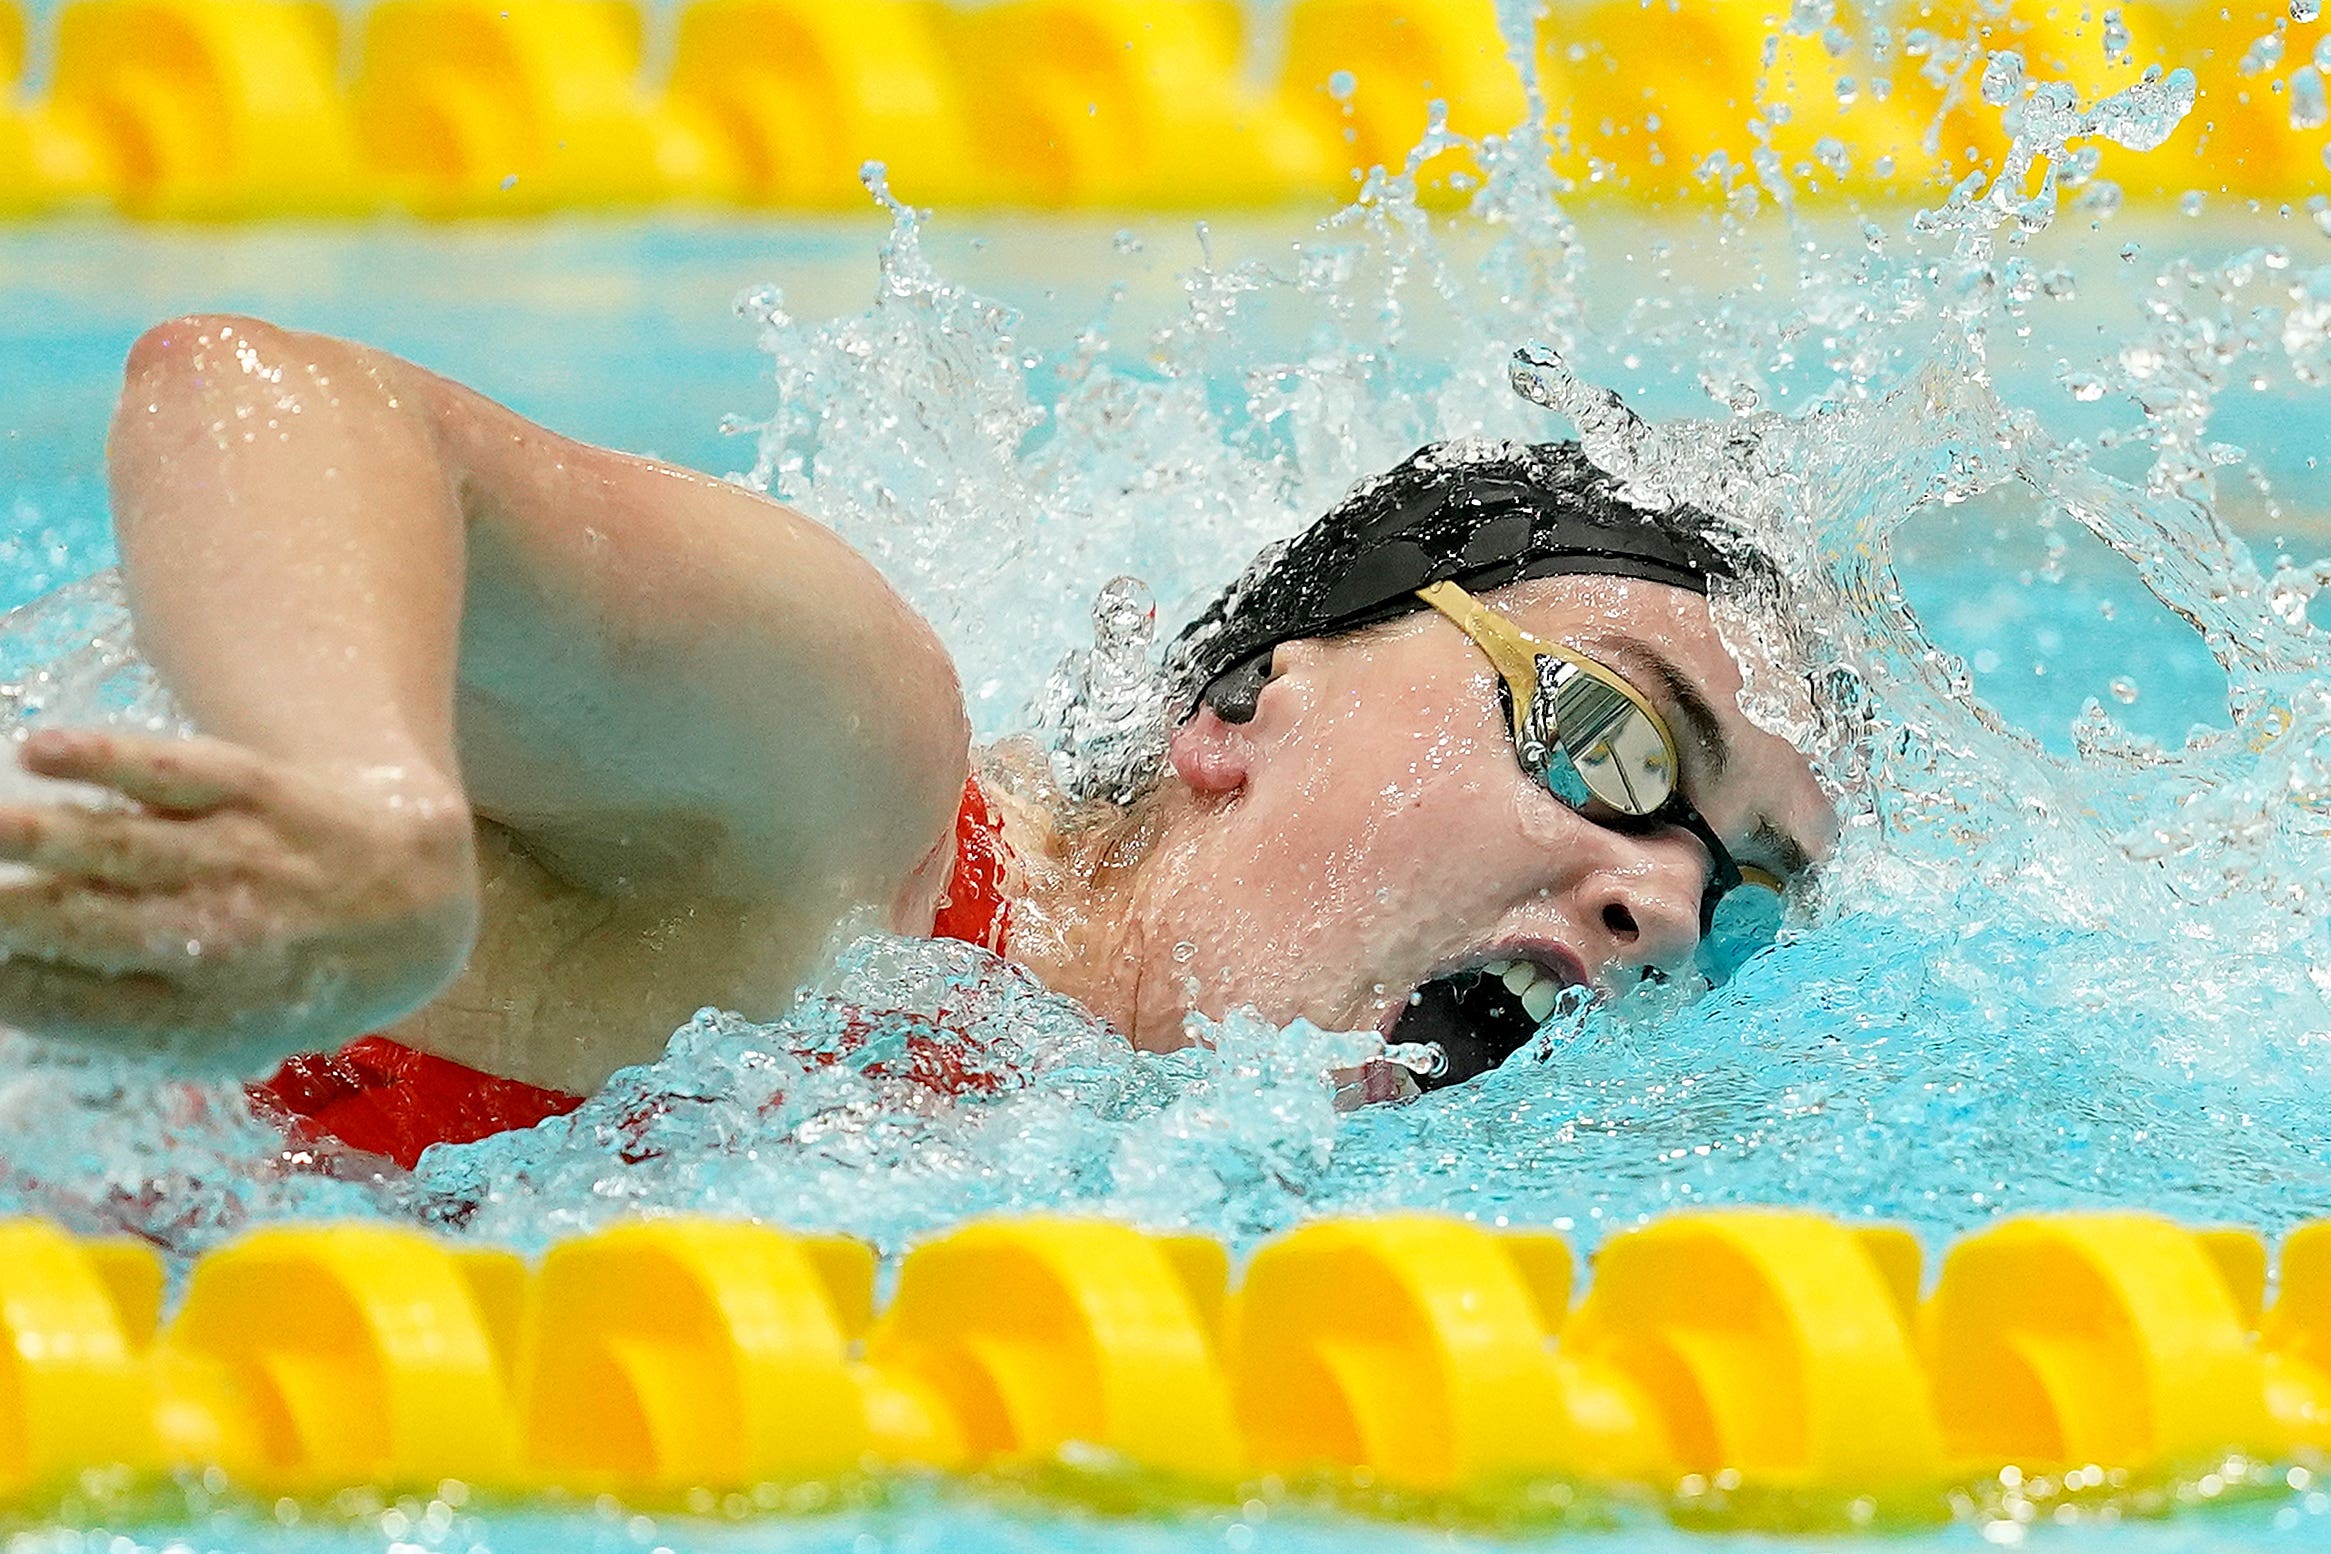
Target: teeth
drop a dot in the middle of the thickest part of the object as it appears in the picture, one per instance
(1537, 989)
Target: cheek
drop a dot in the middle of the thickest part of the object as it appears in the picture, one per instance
(1384, 807)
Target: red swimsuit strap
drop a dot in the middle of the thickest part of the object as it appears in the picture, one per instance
(974, 907)
(390, 1099)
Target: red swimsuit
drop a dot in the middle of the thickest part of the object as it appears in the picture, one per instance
(384, 1097)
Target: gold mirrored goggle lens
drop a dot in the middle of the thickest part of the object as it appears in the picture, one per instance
(1623, 756)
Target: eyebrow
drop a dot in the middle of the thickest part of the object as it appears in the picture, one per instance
(1782, 848)
(1708, 733)
(1697, 715)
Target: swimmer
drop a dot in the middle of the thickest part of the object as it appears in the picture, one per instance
(515, 752)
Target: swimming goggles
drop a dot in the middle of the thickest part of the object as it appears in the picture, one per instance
(1597, 744)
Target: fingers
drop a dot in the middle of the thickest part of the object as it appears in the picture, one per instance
(182, 776)
(60, 919)
(64, 1000)
(122, 850)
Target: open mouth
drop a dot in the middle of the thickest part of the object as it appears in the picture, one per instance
(1479, 1015)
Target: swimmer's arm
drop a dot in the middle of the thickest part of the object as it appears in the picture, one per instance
(666, 688)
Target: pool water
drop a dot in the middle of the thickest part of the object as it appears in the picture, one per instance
(2048, 489)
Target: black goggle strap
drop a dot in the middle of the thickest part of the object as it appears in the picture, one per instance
(1726, 873)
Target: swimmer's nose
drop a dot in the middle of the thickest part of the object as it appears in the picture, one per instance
(1644, 904)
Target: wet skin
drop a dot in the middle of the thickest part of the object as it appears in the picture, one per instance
(1371, 829)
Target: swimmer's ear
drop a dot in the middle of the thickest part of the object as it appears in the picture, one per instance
(1210, 755)
(1214, 751)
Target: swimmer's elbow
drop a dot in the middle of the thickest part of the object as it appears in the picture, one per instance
(181, 372)
(170, 362)
(171, 384)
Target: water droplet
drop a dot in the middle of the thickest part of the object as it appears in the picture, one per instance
(2308, 110)
(1342, 85)
(2306, 10)
(2116, 36)
(2190, 202)
(2124, 690)
(2263, 55)
(2142, 116)
(2002, 78)
(1807, 17)
(764, 305)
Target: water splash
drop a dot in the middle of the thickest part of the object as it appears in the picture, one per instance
(1104, 708)
(919, 1083)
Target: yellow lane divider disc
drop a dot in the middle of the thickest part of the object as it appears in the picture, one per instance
(1032, 1334)
(307, 1359)
(209, 108)
(74, 1389)
(472, 107)
(691, 1353)
(2104, 1339)
(1773, 1344)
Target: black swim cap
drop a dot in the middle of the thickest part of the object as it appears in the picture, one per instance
(1479, 514)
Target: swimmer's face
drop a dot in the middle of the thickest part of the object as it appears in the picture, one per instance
(1370, 830)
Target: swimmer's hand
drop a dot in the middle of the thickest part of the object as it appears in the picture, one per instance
(236, 909)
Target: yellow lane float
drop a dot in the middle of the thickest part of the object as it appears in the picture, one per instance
(782, 103)
(251, 108)
(305, 1360)
(1416, 1349)
(1132, 103)
(1774, 1345)
(2093, 1338)
(688, 1353)
(27, 185)
(76, 1387)
(1364, 75)
(1031, 1335)
(1732, 102)
(2296, 1336)
(208, 108)
(467, 107)
(1778, 1352)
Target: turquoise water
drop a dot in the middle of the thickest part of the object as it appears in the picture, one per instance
(2075, 948)
(1004, 1518)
